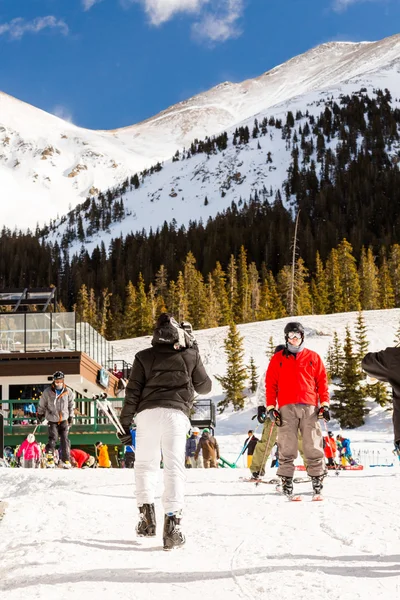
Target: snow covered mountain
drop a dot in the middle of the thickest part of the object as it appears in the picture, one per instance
(47, 164)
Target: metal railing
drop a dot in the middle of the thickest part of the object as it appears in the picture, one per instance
(52, 332)
(87, 418)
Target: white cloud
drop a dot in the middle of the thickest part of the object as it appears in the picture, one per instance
(160, 11)
(216, 20)
(63, 113)
(87, 4)
(18, 27)
(220, 24)
(342, 5)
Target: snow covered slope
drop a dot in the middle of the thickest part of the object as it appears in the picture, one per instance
(70, 535)
(47, 164)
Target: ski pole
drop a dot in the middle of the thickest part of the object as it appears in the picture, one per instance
(337, 470)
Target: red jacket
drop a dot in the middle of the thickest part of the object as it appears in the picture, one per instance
(80, 456)
(330, 447)
(296, 379)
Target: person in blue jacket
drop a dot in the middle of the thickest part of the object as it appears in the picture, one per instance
(345, 450)
(191, 447)
(130, 451)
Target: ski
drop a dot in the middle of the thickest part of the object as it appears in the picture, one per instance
(295, 498)
(317, 498)
(273, 480)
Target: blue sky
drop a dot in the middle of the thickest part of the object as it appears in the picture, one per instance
(110, 63)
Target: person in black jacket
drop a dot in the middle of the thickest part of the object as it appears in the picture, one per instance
(160, 395)
(250, 444)
(385, 366)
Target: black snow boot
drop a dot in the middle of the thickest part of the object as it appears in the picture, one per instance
(173, 536)
(147, 521)
(287, 485)
(317, 483)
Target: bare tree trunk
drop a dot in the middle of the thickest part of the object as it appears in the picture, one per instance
(291, 303)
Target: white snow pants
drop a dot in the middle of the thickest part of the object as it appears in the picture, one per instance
(161, 430)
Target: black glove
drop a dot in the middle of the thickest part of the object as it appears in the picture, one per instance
(275, 415)
(261, 414)
(40, 418)
(70, 421)
(324, 413)
(125, 438)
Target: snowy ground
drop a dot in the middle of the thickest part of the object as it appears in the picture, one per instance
(70, 535)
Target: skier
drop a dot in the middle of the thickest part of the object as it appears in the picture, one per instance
(275, 456)
(269, 434)
(129, 456)
(250, 443)
(160, 395)
(103, 458)
(209, 448)
(191, 447)
(81, 459)
(57, 406)
(330, 449)
(385, 366)
(345, 451)
(297, 396)
(30, 452)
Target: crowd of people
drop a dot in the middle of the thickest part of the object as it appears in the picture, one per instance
(337, 451)
(159, 397)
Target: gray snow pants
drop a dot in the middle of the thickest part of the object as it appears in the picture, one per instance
(303, 418)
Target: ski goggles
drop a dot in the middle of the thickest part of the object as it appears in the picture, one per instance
(294, 335)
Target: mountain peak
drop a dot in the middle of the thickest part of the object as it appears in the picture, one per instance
(41, 183)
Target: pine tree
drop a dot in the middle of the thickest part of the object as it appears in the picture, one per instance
(219, 279)
(394, 268)
(242, 313)
(379, 393)
(129, 328)
(233, 383)
(142, 310)
(334, 283)
(361, 340)
(82, 304)
(337, 357)
(232, 285)
(348, 403)
(270, 351)
(253, 375)
(212, 313)
(386, 293)
(303, 299)
(348, 276)
(254, 291)
(92, 318)
(104, 313)
(369, 284)
(320, 291)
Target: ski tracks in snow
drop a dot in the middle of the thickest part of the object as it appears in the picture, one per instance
(71, 535)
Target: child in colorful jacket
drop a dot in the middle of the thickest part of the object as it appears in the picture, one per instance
(30, 452)
(103, 458)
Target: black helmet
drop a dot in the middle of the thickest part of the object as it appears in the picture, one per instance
(294, 326)
(58, 375)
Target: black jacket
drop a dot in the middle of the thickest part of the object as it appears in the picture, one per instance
(252, 443)
(166, 377)
(385, 366)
